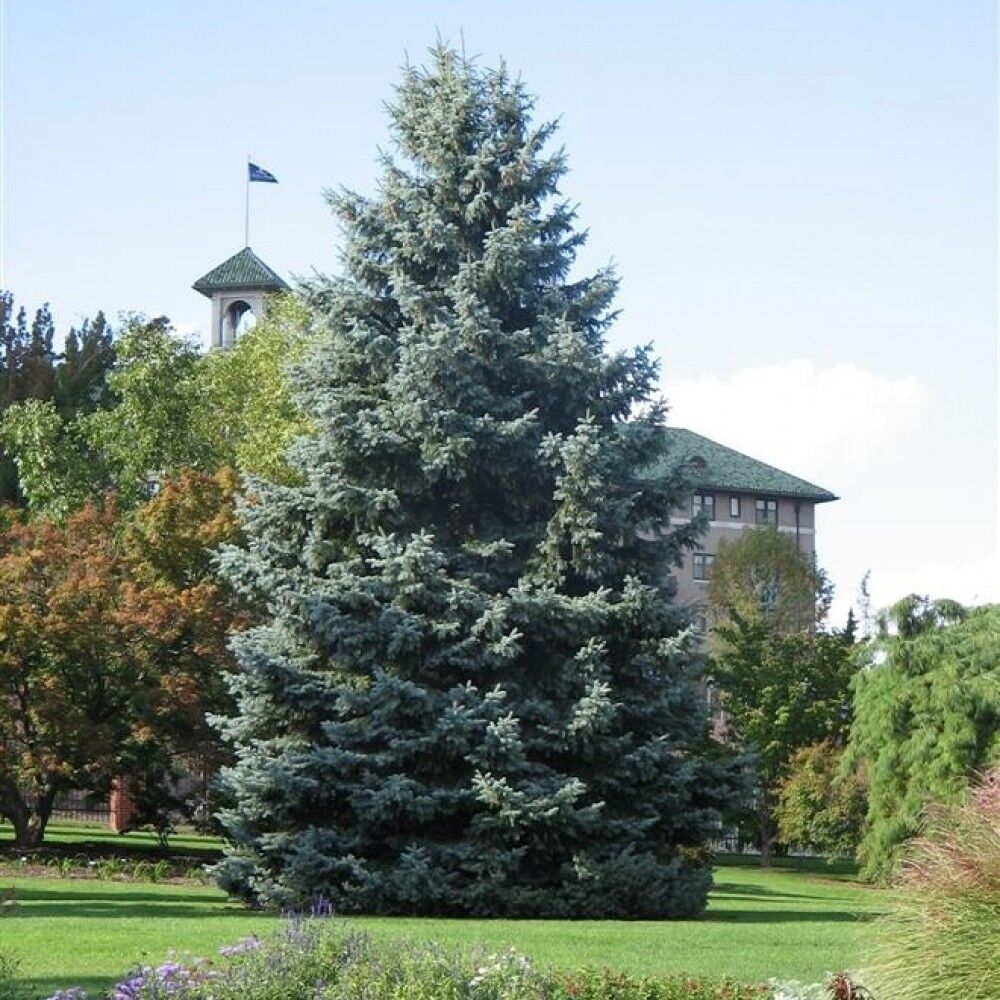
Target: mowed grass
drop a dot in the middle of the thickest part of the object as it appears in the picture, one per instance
(785, 922)
(81, 836)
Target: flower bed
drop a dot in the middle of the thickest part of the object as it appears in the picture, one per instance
(106, 867)
(313, 958)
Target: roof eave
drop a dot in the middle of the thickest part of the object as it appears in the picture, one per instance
(209, 290)
(824, 497)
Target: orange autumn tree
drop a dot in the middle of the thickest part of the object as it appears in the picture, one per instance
(182, 616)
(112, 648)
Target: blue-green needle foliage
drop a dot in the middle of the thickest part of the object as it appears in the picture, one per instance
(471, 694)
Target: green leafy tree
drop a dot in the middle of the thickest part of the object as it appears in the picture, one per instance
(820, 805)
(764, 571)
(781, 692)
(57, 470)
(32, 373)
(163, 408)
(157, 424)
(249, 394)
(470, 695)
(146, 420)
(926, 717)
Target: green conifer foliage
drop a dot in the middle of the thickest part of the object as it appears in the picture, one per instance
(471, 694)
(926, 717)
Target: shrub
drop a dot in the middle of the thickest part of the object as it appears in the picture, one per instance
(316, 959)
(820, 807)
(940, 939)
(605, 984)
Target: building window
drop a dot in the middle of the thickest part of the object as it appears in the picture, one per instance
(702, 565)
(705, 503)
(767, 511)
(734, 506)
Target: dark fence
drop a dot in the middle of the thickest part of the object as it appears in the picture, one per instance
(82, 807)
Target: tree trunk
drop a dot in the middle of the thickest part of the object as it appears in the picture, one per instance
(29, 823)
(767, 835)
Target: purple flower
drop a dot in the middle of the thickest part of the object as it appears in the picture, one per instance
(71, 993)
(131, 988)
(165, 980)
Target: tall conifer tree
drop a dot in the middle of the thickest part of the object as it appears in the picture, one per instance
(471, 693)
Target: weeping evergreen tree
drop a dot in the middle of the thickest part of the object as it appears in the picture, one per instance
(471, 694)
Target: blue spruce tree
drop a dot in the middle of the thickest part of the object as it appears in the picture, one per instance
(471, 694)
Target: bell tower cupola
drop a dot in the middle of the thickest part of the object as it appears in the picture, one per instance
(238, 288)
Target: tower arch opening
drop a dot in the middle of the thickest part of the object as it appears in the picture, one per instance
(240, 316)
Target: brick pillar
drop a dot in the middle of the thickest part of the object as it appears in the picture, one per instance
(122, 807)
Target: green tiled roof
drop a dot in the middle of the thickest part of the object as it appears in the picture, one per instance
(714, 466)
(243, 270)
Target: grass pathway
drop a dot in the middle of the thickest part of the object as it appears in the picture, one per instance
(786, 923)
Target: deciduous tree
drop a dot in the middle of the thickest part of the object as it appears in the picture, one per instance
(31, 372)
(111, 652)
(163, 408)
(249, 392)
(821, 804)
(781, 692)
(763, 572)
(158, 422)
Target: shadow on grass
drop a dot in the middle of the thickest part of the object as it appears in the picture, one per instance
(839, 869)
(44, 986)
(760, 892)
(69, 893)
(787, 917)
(32, 902)
(111, 911)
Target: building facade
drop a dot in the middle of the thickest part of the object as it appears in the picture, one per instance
(736, 493)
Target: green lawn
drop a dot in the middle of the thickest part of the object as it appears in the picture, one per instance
(787, 923)
(74, 836)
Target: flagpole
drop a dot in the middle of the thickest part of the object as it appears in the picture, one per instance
(246, 218)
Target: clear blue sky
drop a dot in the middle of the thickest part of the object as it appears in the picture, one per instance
(801, 198)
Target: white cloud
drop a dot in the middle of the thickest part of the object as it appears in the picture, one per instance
(800, 416)
(975, 582)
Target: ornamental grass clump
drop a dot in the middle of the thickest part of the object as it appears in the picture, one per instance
(940, 939)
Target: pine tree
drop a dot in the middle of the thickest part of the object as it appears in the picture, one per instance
(82, 376)
(471, 693)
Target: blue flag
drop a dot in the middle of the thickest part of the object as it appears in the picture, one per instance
(260, 174)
